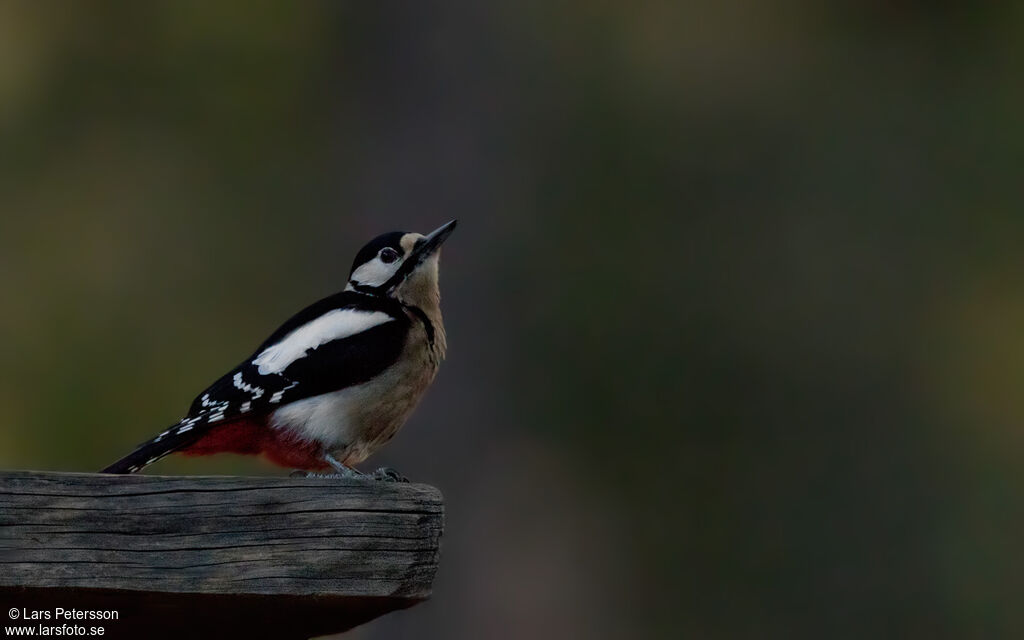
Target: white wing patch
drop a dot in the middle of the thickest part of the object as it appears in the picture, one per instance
(333, 325)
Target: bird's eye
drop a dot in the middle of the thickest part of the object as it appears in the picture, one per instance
(388, 255)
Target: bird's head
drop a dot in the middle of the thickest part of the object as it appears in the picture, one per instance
(401, 265)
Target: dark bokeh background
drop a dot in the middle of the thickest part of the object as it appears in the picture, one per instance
(736, 305)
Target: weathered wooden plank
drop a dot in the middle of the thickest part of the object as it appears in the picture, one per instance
(324, 553)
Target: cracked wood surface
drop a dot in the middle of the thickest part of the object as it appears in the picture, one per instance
(282, 557)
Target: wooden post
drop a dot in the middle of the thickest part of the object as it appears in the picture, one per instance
(212, 556)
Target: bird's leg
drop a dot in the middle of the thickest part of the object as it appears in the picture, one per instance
(342, 471)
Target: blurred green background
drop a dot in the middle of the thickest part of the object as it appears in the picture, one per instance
(736, 304)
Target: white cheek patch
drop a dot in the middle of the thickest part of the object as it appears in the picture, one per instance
(375, 273)
(333, 325)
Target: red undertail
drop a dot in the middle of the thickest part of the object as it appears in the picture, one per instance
(254, 437)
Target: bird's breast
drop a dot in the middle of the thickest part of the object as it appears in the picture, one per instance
(356, 420)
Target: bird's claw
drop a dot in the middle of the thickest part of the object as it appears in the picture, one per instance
(387, 474)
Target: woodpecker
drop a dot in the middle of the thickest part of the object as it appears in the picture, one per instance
(336, 381)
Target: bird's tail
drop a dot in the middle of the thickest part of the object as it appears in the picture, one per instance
(150, 451)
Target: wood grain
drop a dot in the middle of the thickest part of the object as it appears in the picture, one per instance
(295, 556)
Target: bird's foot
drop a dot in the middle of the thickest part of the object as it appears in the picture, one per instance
(383, 474)
(387, 474)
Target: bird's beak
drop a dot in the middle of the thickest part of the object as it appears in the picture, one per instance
(432, 241)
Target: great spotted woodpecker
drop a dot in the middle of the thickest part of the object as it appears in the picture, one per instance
(336, 381)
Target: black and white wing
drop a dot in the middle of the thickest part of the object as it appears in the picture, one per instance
(338, 342)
